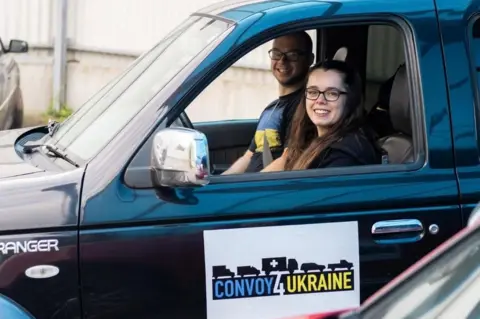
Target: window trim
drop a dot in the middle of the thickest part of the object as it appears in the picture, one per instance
(414, 85)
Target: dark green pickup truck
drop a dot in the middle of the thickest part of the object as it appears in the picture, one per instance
(98, 222)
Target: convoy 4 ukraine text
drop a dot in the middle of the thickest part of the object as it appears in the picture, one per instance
(279, 276)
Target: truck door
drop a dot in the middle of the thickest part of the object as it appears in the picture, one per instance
(461, 41)
(270, 245)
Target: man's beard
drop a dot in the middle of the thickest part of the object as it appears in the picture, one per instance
(294, 80)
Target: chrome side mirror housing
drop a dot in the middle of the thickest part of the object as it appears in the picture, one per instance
(179, 158)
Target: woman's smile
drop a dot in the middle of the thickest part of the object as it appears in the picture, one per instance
(321, 112)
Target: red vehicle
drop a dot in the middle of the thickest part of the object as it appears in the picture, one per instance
(443, 284)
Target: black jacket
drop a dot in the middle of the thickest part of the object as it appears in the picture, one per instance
(354, 149)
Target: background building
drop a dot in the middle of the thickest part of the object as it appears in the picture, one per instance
(105, 36)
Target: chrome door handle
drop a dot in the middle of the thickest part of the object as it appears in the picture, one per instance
(397, 226)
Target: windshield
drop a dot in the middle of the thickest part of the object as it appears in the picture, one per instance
(89, 129)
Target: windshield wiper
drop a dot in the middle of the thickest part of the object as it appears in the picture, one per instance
(28, 149)
(52, 127)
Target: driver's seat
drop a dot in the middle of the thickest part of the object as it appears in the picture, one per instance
(399, 146)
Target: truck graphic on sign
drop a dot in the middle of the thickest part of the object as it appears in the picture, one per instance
(279, 264)
(343, 264)
(222, 271)
(247, 271)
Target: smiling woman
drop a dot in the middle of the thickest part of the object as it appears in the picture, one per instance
(328, 128)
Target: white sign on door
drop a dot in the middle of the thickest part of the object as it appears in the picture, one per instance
(281, 271)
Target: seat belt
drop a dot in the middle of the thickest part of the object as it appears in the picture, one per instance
(267, 156)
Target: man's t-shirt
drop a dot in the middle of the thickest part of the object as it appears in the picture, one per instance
(275, 123)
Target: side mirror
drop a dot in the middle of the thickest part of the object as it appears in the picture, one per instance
(179, 158)
(16, 46)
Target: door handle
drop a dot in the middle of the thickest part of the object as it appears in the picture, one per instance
(399, 226)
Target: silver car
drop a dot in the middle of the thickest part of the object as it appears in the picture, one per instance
(11, 101)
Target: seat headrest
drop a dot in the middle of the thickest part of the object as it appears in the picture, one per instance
(400, 102)
(384, 93)
(341, 54)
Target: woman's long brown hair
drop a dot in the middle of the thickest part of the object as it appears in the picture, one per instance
(304, 144)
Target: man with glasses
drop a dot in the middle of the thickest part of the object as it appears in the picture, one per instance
(291, 56)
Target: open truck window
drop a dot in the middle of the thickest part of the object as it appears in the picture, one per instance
(229, 116)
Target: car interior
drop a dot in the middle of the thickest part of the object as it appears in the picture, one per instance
(386, 100)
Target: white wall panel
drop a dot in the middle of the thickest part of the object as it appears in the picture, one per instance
(129, 25)
(27, 20)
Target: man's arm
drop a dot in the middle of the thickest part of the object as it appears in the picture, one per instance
(277, 165)
(240, 165)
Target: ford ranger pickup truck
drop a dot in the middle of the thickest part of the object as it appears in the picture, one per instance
(121, 210)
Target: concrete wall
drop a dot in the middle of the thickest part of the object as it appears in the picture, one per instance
(87, 72)
(239, 93)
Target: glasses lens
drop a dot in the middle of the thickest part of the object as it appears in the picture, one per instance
(311, 94)
(332, 95)
(275, 55)
(292, 56)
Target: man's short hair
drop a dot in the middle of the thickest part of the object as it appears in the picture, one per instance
(304, 38)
